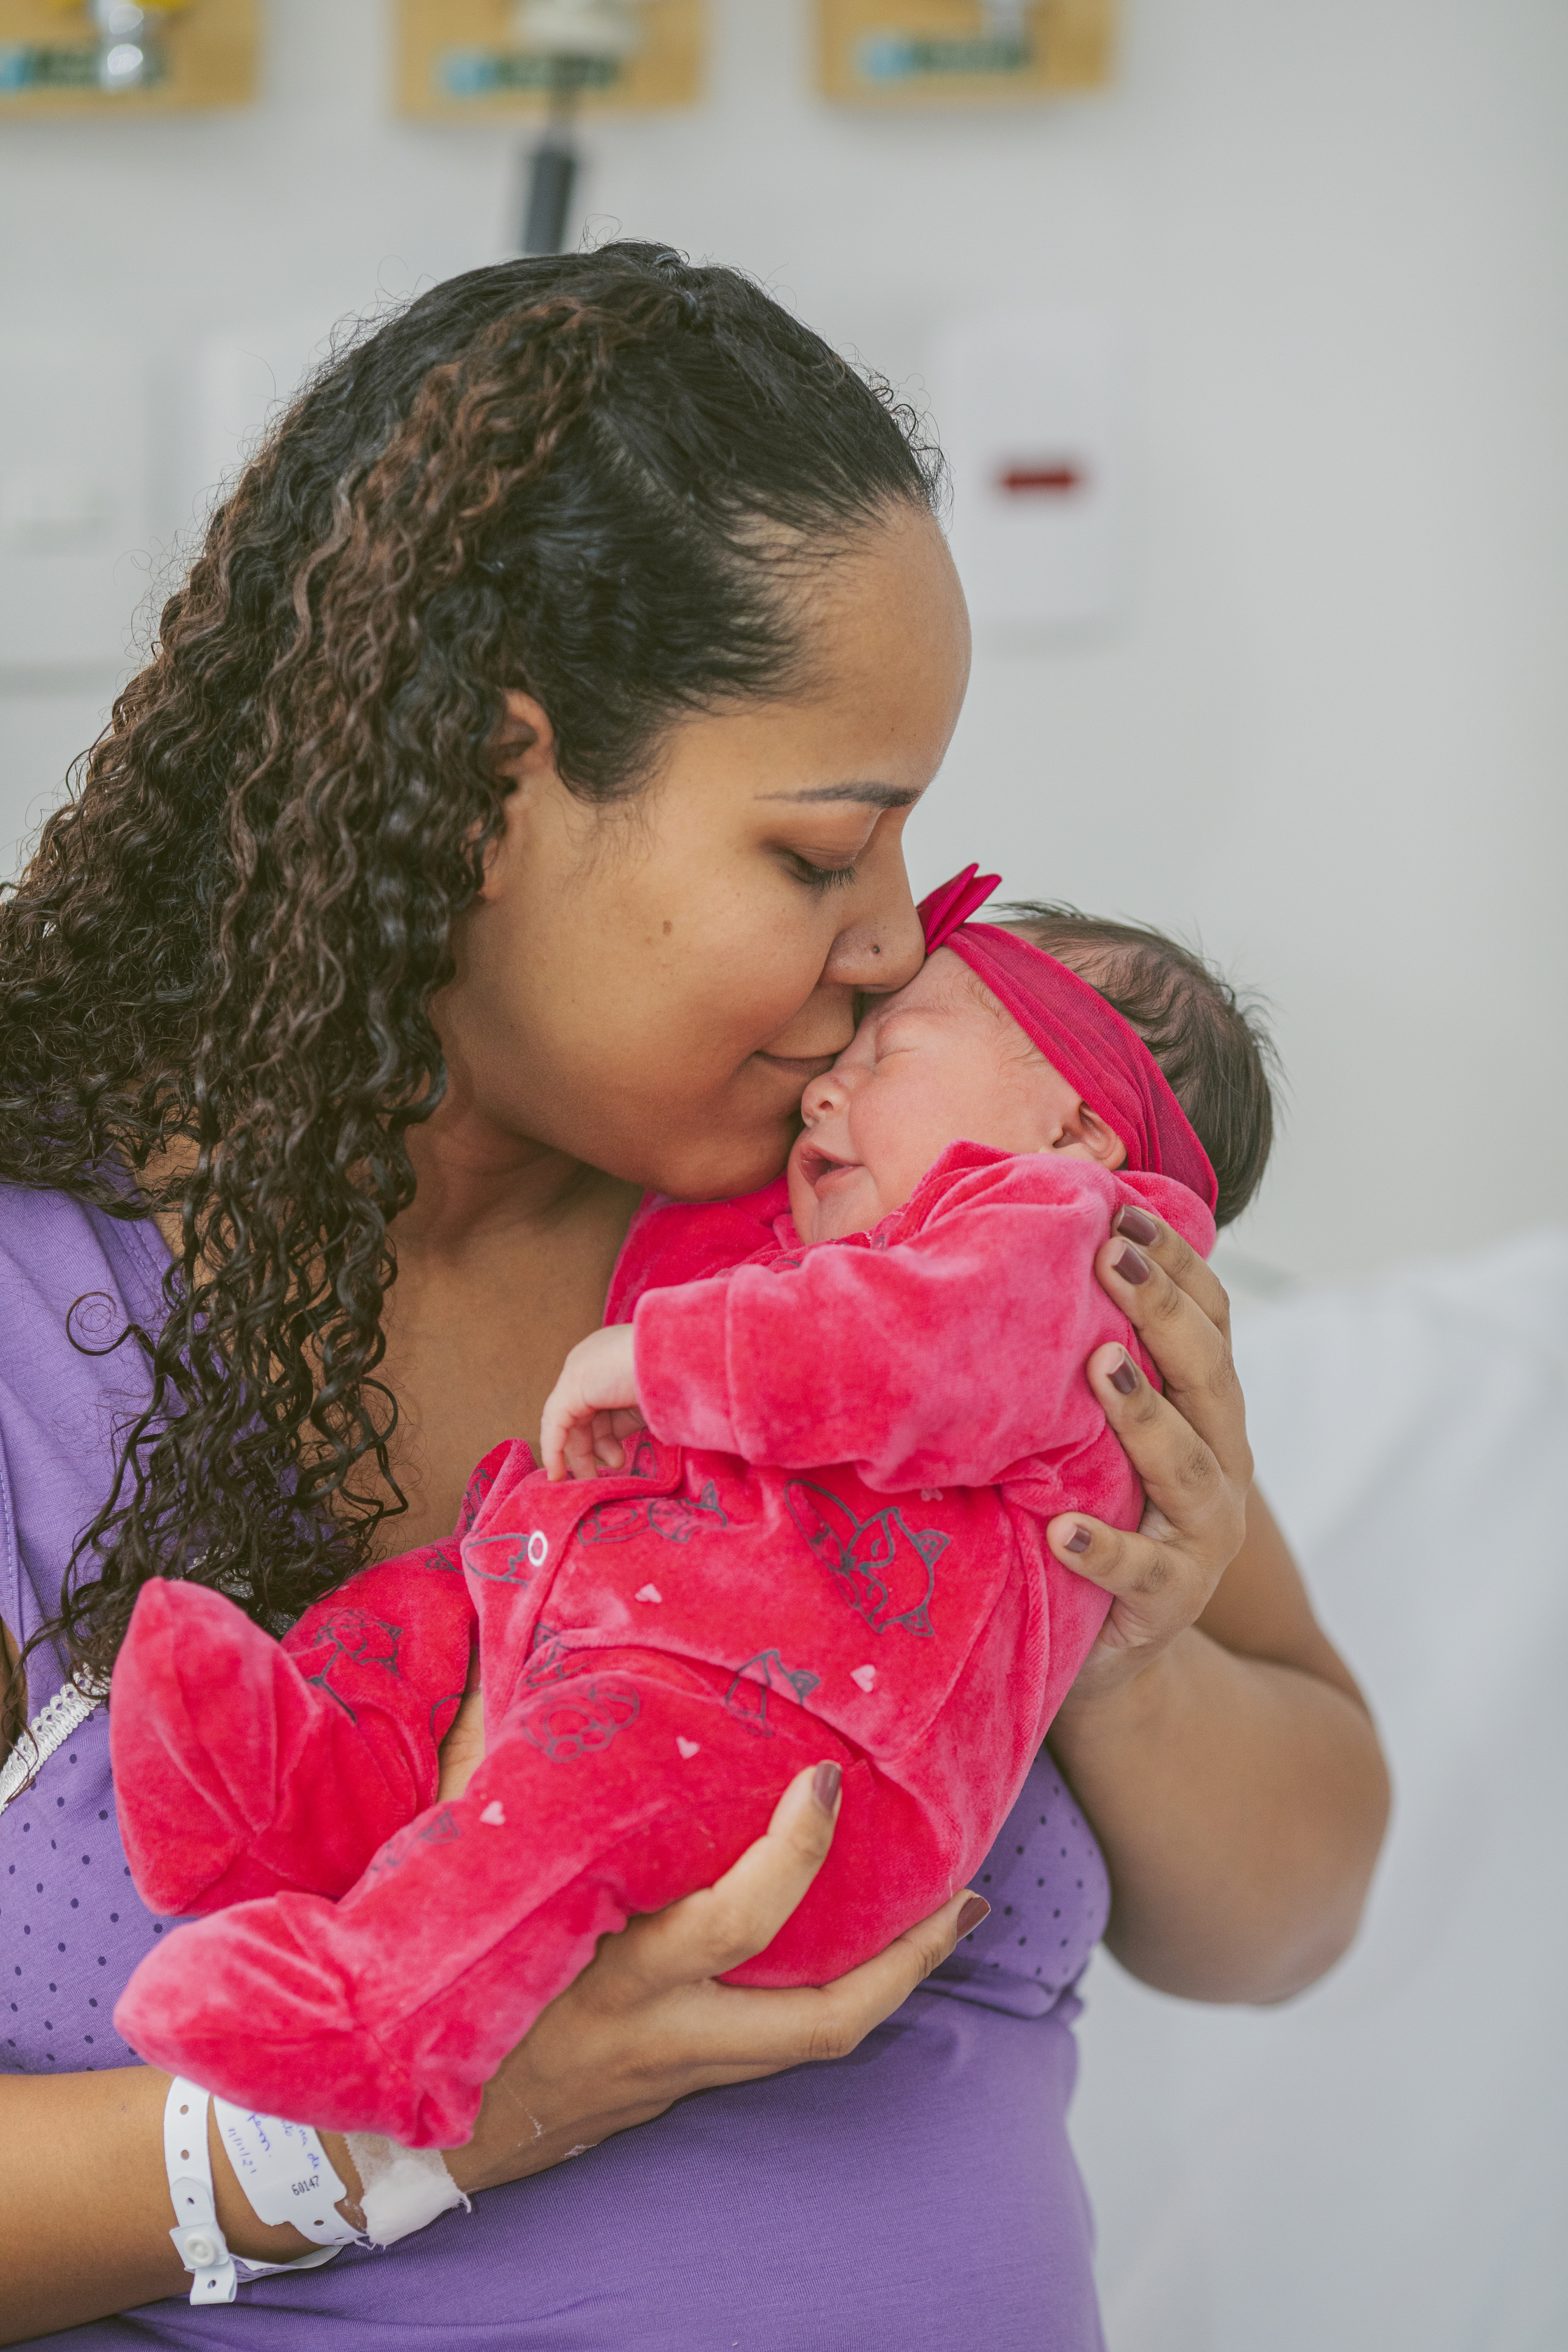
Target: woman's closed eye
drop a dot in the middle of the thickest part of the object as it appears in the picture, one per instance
(819, 878)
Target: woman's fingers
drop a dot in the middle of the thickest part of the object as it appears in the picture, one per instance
(1163, 1573)
(1184, 1323)
(732, 1920)
(1182, 1478)
(834, 2018)
(751, 2031)
(646, 2024)
(1152, 1239)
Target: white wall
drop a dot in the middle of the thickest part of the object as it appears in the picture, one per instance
(1327, 730)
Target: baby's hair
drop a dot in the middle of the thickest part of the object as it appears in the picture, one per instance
(1216, 1055)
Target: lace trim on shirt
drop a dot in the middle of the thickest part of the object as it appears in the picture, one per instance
(50, 1729)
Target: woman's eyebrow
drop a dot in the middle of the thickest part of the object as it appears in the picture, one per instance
(880, 796)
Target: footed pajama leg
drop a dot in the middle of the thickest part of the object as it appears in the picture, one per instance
(611, 1791)
(244, 1766)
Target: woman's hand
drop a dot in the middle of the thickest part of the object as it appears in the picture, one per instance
(1188, 1446)
(1216, 1742)
(84, 2202)
(647, 2022)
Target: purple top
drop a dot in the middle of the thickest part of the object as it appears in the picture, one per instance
(915, 2195)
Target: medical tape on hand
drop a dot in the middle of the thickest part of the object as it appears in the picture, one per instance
(285, 2173)
(401, 2189)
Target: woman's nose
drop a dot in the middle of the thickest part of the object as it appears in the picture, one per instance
(883, 946)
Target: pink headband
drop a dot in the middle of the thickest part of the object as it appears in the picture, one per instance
(1077, 1031)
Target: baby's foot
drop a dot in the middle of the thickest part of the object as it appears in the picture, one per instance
(244, 1766)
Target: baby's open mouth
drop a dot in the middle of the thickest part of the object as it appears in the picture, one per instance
(819, 1167)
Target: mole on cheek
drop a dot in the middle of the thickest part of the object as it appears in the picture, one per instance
(668, 928)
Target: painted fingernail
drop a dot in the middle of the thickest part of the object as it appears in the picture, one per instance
(1080, 1538)
(974, 1911)
(1131, 1267)
(1137, 1224)
(1125, 1379)
(825, 1783)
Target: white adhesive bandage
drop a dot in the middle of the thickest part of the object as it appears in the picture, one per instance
(401, 2189)
(198, 2240)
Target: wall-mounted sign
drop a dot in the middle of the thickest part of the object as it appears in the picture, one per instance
(962, 52)
(473, 60)
(112, 57)
(1031, 407)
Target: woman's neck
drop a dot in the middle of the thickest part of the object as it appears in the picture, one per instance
(503, 1260)
(477, 1187)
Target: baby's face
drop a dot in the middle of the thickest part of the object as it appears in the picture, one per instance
(937, 1063)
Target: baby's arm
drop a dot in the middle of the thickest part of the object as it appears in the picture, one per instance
(945, 1360)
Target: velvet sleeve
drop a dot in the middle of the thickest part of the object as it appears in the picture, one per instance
(952, 1357)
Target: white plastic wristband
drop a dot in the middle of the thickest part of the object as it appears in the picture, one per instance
(198, 2240)
(285, 2173)
(401, 2189)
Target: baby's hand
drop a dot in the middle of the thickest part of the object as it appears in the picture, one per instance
(592, 1407)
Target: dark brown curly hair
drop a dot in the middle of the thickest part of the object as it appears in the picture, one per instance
(591, 478)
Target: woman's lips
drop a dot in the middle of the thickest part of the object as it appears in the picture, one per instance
(799, 1067)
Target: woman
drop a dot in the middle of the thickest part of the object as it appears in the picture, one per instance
(508, 823)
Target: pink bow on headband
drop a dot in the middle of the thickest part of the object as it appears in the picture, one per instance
(943, 910)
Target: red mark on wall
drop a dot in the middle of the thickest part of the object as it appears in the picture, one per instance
(1057, 478)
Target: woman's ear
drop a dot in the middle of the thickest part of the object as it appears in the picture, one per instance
(524, 741)
(521, 750)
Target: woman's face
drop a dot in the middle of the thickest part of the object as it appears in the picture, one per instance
(648, 987)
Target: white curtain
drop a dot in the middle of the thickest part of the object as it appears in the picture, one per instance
(1383, 2164)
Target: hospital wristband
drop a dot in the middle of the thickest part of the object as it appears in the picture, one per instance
(285, 2172)
(198, 2239)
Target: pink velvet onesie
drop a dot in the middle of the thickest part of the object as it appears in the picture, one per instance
(829, 1543)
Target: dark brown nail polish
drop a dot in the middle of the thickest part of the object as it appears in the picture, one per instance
(1131, 1267)
(825, 1783)
(1080, 1540)
(1137, 1224)
(974, 1911)
(1125, 1379)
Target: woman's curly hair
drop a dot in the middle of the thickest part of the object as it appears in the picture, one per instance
(590, 478)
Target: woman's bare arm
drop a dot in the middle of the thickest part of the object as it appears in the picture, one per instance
(1238, 1790)
(84, 2206)
(1218, 1744)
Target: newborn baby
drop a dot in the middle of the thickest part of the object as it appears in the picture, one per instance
(830, 1438)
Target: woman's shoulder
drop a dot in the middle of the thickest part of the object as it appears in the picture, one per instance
(57, 1252)
(77, 1285)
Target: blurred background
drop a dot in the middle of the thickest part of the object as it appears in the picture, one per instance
(1322, 718)
(1287, 301)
